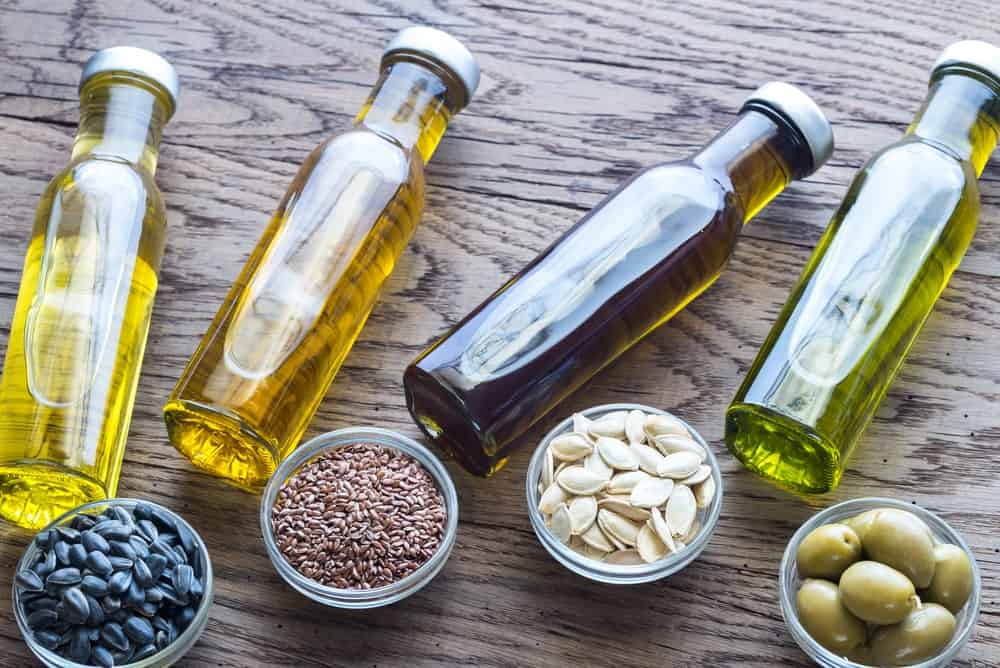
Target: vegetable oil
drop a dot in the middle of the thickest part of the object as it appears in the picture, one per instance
(293, 314)
(83, 307)
(887, 255)
(626, 268)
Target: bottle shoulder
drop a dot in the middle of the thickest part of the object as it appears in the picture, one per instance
(107, 179)
(361, 149)
(914, 164)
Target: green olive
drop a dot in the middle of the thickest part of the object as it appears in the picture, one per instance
(920, 636)
(952, 583)
(860, 523)
(827, 551)
(825, 618)
(861, 654)
(901, 540)
(877, 593)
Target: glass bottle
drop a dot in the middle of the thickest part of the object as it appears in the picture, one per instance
(888, 253)
(293, 314)
(627, 267)
(83, 308)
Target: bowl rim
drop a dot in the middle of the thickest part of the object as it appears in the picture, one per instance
(611, 573)
(788, 575)
(360, 598)
(172, 652)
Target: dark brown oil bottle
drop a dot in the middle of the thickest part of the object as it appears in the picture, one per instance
(627, 267)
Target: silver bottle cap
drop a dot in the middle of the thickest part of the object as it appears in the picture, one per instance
(443, 49)
(973, 53)
(136, 61)
(801, 111)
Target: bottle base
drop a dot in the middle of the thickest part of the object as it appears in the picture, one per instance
(35, 492)
(782, 450)
(220, 443)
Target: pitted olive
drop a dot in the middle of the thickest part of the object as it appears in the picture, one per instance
(952, 583)
(924, 633)
(877, 593)
(901, 540)
(827, 551)
(824, 617)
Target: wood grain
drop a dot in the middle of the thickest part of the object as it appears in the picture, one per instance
(576, 94)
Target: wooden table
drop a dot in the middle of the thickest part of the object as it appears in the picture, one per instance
(575, 96)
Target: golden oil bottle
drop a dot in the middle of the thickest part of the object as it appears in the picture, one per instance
(901, 231)
(83, 308)
(293, 314)
(627, 267)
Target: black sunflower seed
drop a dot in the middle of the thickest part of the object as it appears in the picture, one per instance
(162, 520)
(142, 574)
(120, 563)
(161, 639)
(122, 515)
(147, 530)
(83, 522)
(79, 646)
(102, 657)
(123, 549)
(135, 596)
(143, 511)
(113, 530)
(78, 556)
(75, 606)
(111, 604)
(154, 595)
(42, 619)
(61, 548)
(187, 540)
(44, 540)
(68, 534)
(96, 615)
(48, 639)
(47, 565)
(182, 578)
(139, 630)
(113, 635)
(95, 586)
(99, 563)
(119, 582)
(157, 564)
(140, 546)
(64, 576)
(29, 580)
(42, 603)
(144, 652)
(95, 541)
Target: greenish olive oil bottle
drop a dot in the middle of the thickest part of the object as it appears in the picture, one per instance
(887, 255)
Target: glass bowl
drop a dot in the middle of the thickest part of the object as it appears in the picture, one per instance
(169, 655)
(789, 581)
(360, 598)
(612, 573)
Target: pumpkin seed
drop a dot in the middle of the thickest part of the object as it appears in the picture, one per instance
(624, 483)
(618, 527)
(624, 558)
(681, 510)
(596, 464)
(661, 425)
(622, 504)
(617, 454)
(579, 481)
(611, 425)
(547, 504)
(651, 492)
(692, 532)
(634, 427)
(548, 469)
(649, 458)
(570, 447)
(597, 539)
(668, 444)
(582, 514)
(662, 530)
(679, 465)
(704, 493)
(699, 476)
(649, 546)
(561, 526)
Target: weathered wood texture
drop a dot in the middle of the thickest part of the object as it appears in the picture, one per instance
(576, 94)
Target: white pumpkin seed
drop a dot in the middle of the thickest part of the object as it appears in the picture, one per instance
(699, 476)
(622, 505)
(681, 510)
(551, 498)
(659, 425)
(596, 464)
(617, 543)
(617, 454)
(541, 488)
(634, 427)
(651, 492)
(678, 465)
(570, 447)
(594, 553)
(548, 468)
(649, 458)
(624, 483)
(561, 523)
(692, 532)
(649, 546)
(581, 425)
(618, 527)
(597, 539)
(582, 513)
(704, 493)
(668, 444)
(662, 530)
(579, 481)
(624, 558)
(611, 425)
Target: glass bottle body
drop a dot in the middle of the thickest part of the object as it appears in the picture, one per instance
(871, 283)
(627, 267)
(270, 355)
(82, 315)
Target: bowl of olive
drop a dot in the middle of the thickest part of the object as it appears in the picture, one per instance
(878, 582)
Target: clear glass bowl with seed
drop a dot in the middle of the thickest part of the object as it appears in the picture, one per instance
(601, 571)
(358, 599)
(172, 652)
(789, 581)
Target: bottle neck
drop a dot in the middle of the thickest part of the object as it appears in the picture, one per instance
(758, 155)
(411, 105)
(961, 113)
(122, 116)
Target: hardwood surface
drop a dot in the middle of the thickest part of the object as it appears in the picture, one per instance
(576, 94)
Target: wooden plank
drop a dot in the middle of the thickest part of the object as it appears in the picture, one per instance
(575, 96)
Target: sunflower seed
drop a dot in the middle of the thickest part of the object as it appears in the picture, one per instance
(649, 458)
(75, 606)
(43, 539)
(582, 514)
(611, 425)
(662, 425)
(624, 558)
(704, 493)
(99, 563)
(95, 615)
(649, 545)
(547, 504)
(163, 521)
(140, 546)
(662, 530)
(681, 510)
(617, 454)
(147, 530)
(570, 447)
(79, 646)
(64, 577)
(622, 504)
(139, 630)
(579, 481)
(103, 656)
(618, 527)
(142, 574)
(669, 444)
(61, 548)
(679, 465)
(561, 525)
(113, 530)
(135, 596)
(699, 476)
(77, 556)
(48, 639)
(651, 492)
(120, 563)
(634, 427)
(111, 604)
(94, 541)
(47, 565)
(144, 652)
(113, 635)
(597, 539)
(29, 580)
(42, 619)
(123, 549)
(624, 483)
(94, 585)
(41, 603)
(596, 464)
(120, 582)
(68, 534)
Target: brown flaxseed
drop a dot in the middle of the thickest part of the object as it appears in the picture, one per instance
(359, 517)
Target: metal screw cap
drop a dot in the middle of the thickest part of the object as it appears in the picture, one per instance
(800, 110)
(135, 61)
(973, 53)
(440, 47)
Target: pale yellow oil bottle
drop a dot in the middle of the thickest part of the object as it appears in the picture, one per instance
(83, 308)
(293, 314)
